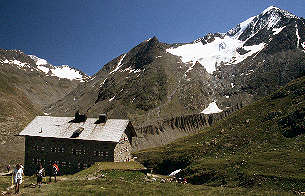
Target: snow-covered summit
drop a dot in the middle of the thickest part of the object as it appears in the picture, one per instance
(63, 71)
(273, 9)
(224, 48)
(42, 65)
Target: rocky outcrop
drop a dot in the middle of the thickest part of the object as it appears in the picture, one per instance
(166, 131)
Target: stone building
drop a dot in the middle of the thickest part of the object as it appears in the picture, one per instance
(76, 143)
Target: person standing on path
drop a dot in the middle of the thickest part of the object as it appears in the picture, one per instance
(54, 171)
(8, 168)
(17, 177)
(40, 175)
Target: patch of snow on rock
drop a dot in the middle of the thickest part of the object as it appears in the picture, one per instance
(175, 172)
(132, 70)
(38, 60)
(16, 62)
(277, 30)
(43, 69)
(298, 36)
(65, 71)
(212, 109)
(303, 45)
(111, 99)
(212, 54)
(119, 64)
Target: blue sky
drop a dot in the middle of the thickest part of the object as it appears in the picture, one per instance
(88, 34)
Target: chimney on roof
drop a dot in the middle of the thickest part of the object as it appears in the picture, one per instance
(102, 118)
(78, 118)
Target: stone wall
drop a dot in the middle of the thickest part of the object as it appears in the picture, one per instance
(71, 155)
(122, 151)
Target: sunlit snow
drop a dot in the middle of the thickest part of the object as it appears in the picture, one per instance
(111, 99)
(175, 172)
(119, 65)
(130, 70)
(284, 12)
(16, 62)
(212, 109)
(38, 60)
(277, 30)
(298, 36)
(223, 49)
(303, 45)
(212, 54)
(65, 71)
(44, 69)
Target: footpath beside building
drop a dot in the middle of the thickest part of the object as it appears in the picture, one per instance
(76, 143)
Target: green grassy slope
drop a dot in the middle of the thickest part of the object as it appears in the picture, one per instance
(262, 145)
(119, 179)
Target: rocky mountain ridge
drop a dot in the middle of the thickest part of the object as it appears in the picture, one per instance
(156, 81)
(41, 82)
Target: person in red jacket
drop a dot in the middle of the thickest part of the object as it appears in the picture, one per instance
(54, 171)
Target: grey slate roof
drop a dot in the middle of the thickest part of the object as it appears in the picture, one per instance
(58, 127)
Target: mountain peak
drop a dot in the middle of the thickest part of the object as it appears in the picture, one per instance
(152, 39)
(275, 10)
(270, 8)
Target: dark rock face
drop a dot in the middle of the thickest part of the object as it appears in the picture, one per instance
(169, 130)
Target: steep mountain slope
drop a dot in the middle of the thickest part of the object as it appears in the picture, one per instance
(16, 110)
(41, 82)
(145, 84)
(261, 145)
(156, 81)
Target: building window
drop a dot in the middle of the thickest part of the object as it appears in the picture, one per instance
(78, 152)
(37, 161)
(73, 151)
(53, 149)
(69, 164)
(36, 148)
(101, 153)
(61, 149)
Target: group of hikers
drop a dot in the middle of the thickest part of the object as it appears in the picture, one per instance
(53, 171)
(41, 174)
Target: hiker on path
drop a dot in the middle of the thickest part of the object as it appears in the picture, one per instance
(40, 174)
(8, 168)
(17, 177)
(54, 171)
